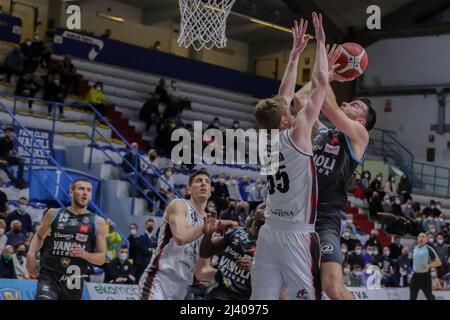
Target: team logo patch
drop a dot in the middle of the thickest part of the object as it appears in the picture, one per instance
(84, 228)
(85, 220)
(73, 222)
(326, 248)
(65, 262)
(81, 237)
(226, 282)
(10, 294)
(302, 294)
(332, 149)
(60, 226)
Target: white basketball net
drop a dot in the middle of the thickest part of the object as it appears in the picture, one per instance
(203, 23)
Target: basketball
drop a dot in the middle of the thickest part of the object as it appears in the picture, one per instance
(353, 60)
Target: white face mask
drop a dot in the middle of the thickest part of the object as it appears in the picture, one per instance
(346, 235)
(358, 251)
(379, 178)
(2, 231)
(438, 206)
(343, 250)
(386, 253)
(432, 230)
(357, 273)
(440, 241)
(234, 181)
(133, 232)
(434, 274)
(369, 252)
(169, 174)
(346, 270)
(430, 240)
(397, 201)
(403, 273)
(221, 180)
(123, 256)
(387, 201)
(375, 252)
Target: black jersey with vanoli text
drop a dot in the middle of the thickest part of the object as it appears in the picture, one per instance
(335, 163)
(234, 282)
(68, 228)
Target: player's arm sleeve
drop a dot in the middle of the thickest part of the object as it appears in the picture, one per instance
(177, 211)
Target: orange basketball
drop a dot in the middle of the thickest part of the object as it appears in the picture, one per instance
(353, 60)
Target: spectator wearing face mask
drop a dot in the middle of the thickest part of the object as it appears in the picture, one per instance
(367, 273)
(165, 188)
(9, 157)
(21, 215)
(396, 222)
(132, 240)
(233, 189)
(395, 247)
(28, 52)
(20, 262)
(365, 183)
(131, 166)
(27, 86)
(147, 243)
(377, 184)
(7, 270)
(405, 259)
(386, 262)
(13, 64)
(344, 254)
(375, 206)
(429, 210)
(356, 257)
(257, 194)
(368, 255)
(120, 269)
(230, 212)
(355, 276)
(346, 274)
(441, 248)
(220, 193)
(404, 188)
(3, 237)
(54, 91)
(437, 210)
(400, 278)
(97, 98)
(431, 229)
(15, 234)
(348, 240)
(390, 188)
(374, 241)
(215, 124)
(163, 141)
(436, 283)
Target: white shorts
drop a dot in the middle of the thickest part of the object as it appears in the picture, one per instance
(286, 258)
(158, 285)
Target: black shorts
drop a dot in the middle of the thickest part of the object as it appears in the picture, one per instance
(53, 286)
(221, 293)
(328, 226)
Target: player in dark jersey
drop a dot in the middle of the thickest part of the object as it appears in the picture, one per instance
(70, 240)
(236, 250)
(337, 153)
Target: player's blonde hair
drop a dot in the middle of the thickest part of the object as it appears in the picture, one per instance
(268, 112)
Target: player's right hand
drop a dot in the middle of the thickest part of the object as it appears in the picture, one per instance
(32, 267)
(210, 223)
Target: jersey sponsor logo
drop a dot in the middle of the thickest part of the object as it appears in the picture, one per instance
(85, 220)
(282, 213)
(324, 165)
(62, 248)
(73, 222)
(232, 271)
(302, 294)
(81, 237)
(326, 248)
(84, 228)
(332, 149)
(65, 262)
(60, 226)
(64, 236)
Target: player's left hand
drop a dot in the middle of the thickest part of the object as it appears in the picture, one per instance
(318, 27)
(245, 264)
(225, 224)
(299, 39)
(77, 251)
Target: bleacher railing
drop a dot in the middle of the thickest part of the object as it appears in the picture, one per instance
(426, 178)
(32, 165)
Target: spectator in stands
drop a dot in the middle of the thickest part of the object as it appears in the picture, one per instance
(54, 91)
(397, 223)
(233, 189)
(386, 261)
(9, 158)
(236, 125)
(432, 228)
(355, 277)
(3, 202)
(352, 183)
(400, 278)
(386, 205)
(346, 275)
(235, 212)
(97, 98)
(149, 114)
(15, 234)
(440, 248)
(428, 223)
(7, 270)
(436, 283)
(257, 194)
(407, 209)
(242, 213)
(390, 188)
(21, 215)
(29, 55)
(39, 50)
(431, 239)
(20, 262)
(375, 206)
(162, 92)
(344, 254)
(131, 166)
(132, 240)
(165, 188)
(377, 183)
(356, 257)
(3, 236)
(405, 259)
(244, 185)
(147, 243)
(367, 273)
(120, 269)
(404, 188)
(348, 240)
(157, 45)
(395, 247)
(368, 255)
(163, 141)
(14, 64)
(68, 74)
(106, 34)
(215, 124)
(437, 209)
(365, 182)
(27, 86)
(374, 241)
(429, 210)
(151, 176)
(220, 193)
(113, 241)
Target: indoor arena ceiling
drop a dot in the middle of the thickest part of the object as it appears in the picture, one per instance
(344, 19)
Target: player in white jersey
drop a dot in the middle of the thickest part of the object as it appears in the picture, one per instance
(172, 267)
(288, 249)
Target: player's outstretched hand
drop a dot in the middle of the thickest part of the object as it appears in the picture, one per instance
(32, 267)
(210, 223)
(318, 27)
(333, 54)
(223, 225)
(299, 39)
(245, 264)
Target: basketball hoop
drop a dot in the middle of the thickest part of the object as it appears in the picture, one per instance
(203, 23)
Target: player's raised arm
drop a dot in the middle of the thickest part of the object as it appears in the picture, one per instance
(301, 133)
(287, 87)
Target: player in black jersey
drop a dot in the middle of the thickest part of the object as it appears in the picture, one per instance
(236, 250)
(337, 153)
(70, 240)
